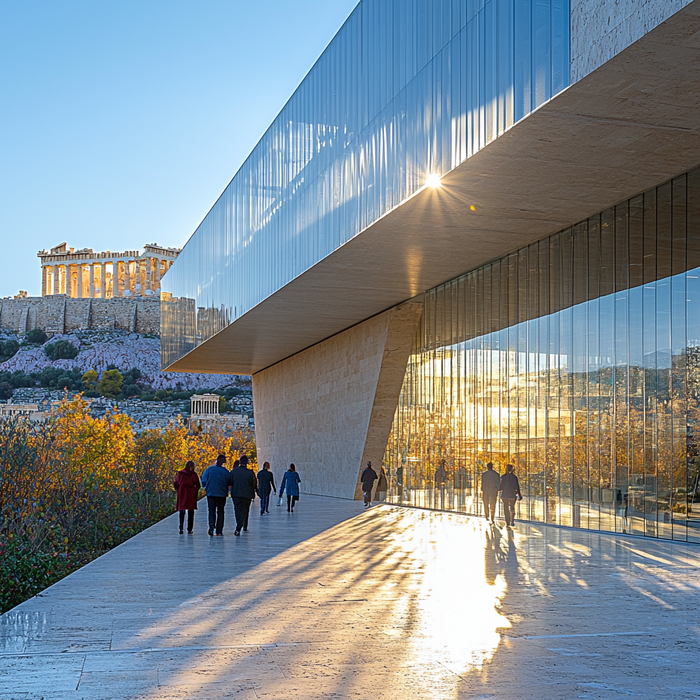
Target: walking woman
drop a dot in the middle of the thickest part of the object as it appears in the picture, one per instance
(187, 486)
(290, 485)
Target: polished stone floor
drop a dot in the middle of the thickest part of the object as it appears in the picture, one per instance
(336, 602)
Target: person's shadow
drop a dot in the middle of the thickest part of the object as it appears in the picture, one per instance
(500, 555)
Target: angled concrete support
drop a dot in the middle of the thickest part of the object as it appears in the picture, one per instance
(329, 408)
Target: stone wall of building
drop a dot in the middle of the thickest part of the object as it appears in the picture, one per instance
(330, 408)
(62, 314)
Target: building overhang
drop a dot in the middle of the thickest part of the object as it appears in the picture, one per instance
(628, 126)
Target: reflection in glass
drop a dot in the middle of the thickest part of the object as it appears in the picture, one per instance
(577, 359)
(405, 89)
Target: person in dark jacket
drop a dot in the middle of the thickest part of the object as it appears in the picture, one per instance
(489, 490)
(243, 488)
(290, 484)
(187, 487)
(369, 476)
(509, 487)
(266, 484)
(215, 482)
(382, 485)
(441, 483)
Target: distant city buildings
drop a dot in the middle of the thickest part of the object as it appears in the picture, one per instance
(84, 274)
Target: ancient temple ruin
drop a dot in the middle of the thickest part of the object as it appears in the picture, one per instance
(84, 274)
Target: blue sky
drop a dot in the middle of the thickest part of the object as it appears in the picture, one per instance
(122, 122)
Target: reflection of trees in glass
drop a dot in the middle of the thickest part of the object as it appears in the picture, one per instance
(570, 435)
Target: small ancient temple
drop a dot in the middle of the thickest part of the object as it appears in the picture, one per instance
(84, 274)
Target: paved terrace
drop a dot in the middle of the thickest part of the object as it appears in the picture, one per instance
(334, 602)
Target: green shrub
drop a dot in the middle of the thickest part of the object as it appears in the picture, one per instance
(36, 336)
(89, 380)
(110, 384)
(8, 349)
(58, 378)
(61, 350)
(129, 390)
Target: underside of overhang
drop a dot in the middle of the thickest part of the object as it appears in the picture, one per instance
(628, 126)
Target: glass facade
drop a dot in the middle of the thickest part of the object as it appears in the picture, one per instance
(405, 89)
(577, 360)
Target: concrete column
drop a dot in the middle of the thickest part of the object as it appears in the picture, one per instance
(330, 408)
(91, 293)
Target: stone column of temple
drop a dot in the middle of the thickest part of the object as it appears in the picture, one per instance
(156, 275)
(147, 277)
(44, 274)
(127, 278)
(56, 279)
(91, 291)
(79, 269)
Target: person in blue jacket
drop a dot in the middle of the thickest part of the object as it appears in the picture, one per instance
(215, 481)
(290, 485)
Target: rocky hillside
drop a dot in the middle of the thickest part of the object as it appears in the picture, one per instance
(116, 367)
(99, 350)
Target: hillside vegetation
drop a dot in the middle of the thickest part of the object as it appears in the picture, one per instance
(76, 486)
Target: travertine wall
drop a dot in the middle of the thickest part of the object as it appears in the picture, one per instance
(329, 408)
(600, 29)
(61, 314)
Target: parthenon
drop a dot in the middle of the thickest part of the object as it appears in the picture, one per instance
(84, 274)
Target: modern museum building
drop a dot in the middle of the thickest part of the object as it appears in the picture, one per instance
(472, 235)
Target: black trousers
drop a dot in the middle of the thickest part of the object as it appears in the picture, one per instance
(241, 507)
(291, 500)
(216, 505)
(190, 519)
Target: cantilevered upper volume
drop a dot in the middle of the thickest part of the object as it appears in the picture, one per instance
(527, 115)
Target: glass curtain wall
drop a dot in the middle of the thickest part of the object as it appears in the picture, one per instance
(577, 360)
(405, 89)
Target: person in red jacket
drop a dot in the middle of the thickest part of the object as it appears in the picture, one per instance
(187, 486)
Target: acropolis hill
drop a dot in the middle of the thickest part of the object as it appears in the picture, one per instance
(85, 290)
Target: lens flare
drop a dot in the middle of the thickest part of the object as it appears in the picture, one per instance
(433, 181)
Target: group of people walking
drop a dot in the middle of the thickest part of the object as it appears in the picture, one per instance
(492, 483)
(240, 483)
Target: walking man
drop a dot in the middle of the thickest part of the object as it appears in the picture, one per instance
(243, 488)
(489, 491)
(215, 482)
(369, 476)
(441, 483)
(266, 484)
(509, 487)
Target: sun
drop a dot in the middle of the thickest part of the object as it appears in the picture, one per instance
(433, 181)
